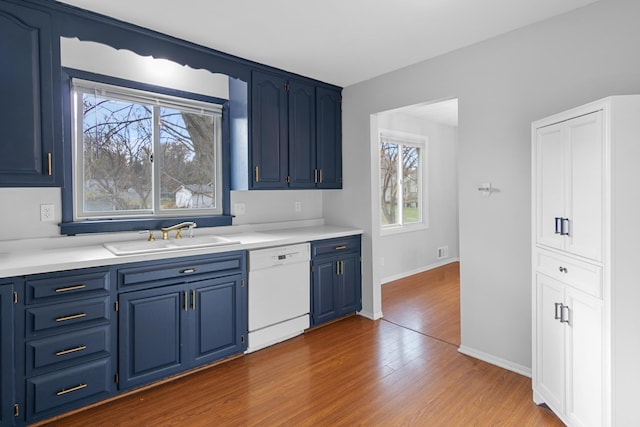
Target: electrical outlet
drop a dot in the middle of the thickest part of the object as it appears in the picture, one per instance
(46, 213)
(297, 206)
(239, 208)
(443, 252)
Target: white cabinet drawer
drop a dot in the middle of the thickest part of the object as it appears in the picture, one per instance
(580, 275)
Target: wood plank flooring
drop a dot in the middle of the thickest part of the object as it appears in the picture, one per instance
(355, 372)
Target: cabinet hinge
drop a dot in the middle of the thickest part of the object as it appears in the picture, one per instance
(242, 338)
(16, 410)
(313, 269)
(286, 86)
(15, 297)
(116, 306)
(242, 283)
(116, 378)
(288, 179)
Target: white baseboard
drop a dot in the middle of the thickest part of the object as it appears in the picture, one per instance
(369, 315)
(418, 270)
(503, 363)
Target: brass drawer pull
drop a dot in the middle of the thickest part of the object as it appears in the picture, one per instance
(73, 316)
(71, 288)
(71, 350)
(339, 248)
(49, 171)
(72, 389)
(188, 270)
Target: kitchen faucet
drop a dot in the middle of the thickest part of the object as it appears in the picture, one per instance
(178, 227)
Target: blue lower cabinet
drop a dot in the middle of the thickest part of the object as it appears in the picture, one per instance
(324, 292)
(217, 319)
(64, 356)
(7, 367)
(151, 330)
(164, 331)
(336, 284)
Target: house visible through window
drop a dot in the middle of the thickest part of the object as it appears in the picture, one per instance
(401, 180)
(141, 154)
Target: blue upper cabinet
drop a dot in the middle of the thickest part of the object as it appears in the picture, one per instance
(30, 119)
(296, 134)
(329, 137)
(269, 131)
(302, 135)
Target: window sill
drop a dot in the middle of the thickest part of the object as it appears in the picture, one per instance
(409, 228)
(108, 226)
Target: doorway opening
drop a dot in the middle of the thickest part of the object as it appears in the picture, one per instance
(416, 193)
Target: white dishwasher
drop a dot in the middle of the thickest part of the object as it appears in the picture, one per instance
(279, 294)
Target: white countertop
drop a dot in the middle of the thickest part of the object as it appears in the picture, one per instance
(32, 256)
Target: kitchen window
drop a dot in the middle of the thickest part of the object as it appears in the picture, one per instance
(402, 181)
(139, 155)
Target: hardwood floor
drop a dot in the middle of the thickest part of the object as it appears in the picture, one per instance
(352, 372)
(428, 303)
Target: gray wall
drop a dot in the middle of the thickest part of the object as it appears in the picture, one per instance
(502, 84)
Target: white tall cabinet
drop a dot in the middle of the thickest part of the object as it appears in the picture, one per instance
(586, 262)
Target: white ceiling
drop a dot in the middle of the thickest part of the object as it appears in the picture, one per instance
(337, 41)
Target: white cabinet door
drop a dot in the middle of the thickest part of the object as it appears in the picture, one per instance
(584, 359)
(549, 375)
(569, 185)
(550, 175)
(584, 181)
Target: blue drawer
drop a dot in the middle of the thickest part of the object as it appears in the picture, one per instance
(335, 246)
(63, 350)
(62, 317)
(65, 286)
(69, 388)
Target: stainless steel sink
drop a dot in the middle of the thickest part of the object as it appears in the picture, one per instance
(144, 247)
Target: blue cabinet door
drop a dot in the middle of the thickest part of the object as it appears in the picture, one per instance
(302, 135)
(349, 284)
(325, 297)
(152, 327)
(269, 133)
(329, 138)
(215, 319)
(30, 88)
(6, 355)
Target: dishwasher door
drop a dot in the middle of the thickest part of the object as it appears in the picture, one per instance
(279, 294)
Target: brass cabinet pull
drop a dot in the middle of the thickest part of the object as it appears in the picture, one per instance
(193, 300)
(49, 163)
(71, 288)
(339, 248)
(70, 390)
(73, 316)
(257, 175)
(320, 176)
(71, 350)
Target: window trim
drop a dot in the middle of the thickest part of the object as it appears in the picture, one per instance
(70, 226)
(416, 140)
